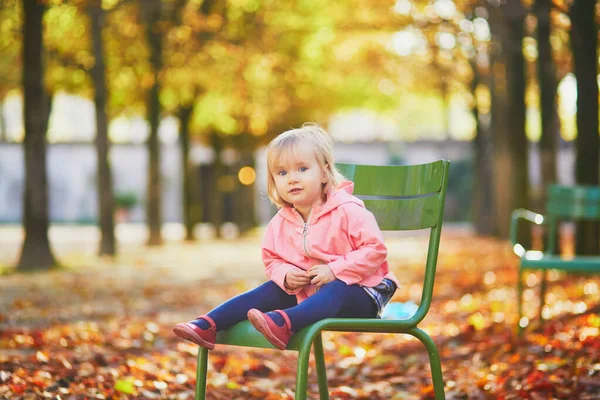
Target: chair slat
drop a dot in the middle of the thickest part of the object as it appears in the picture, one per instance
(576, 211)
(591, 193)
(394, 180)
(574, 202)
(405, 214)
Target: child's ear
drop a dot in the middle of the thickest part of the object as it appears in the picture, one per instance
(324, 177)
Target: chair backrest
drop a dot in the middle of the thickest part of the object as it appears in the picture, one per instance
(406, 197)
(574, 202)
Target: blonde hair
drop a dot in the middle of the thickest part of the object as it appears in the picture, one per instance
(318, 140)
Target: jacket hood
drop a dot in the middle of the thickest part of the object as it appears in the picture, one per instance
(335, 198)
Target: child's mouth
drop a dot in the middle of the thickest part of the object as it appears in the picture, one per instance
(294, 190)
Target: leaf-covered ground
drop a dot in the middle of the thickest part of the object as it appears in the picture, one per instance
(102, 329)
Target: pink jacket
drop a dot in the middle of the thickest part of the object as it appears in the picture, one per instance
(340, 232)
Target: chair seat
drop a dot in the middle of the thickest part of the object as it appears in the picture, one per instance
(244, 334)
(575, 264)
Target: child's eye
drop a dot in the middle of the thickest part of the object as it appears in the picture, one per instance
(303, 169)
(281, 173)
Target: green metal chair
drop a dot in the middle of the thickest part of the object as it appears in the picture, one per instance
(401, 198)
(564, 203)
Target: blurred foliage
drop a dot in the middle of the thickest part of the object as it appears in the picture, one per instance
(10, 46)
(258, 67)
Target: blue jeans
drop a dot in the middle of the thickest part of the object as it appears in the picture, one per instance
(335, 299)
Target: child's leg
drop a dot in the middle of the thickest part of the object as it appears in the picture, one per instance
(335, 299)
(266, 297)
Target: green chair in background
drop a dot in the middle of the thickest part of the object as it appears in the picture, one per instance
(574, 203)
(401, 198)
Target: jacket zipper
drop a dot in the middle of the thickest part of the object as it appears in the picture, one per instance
(305, 233)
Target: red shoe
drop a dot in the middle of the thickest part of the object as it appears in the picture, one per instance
(202, 337)
(278, 336)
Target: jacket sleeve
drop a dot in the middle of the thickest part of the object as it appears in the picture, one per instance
(275, 267)
(367, 240)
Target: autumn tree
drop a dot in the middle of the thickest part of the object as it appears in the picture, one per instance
(84, 54)
(151, 15)
(191, 28)
(106, 201)
(99, 73)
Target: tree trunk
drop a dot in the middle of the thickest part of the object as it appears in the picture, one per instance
(106, 202)
(36, 252)
(511, 174)
(482, 187)
(189, 216)
(549, 114)
(153, 207)
(584, 41)
(498, 128)
(518, 145)
(215, 204)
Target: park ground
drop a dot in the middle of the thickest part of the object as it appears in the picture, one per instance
(101, 328)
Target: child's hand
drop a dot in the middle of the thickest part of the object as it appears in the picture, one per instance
(296, 279)
(320, 275)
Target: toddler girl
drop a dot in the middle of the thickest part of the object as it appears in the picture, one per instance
(323, 251)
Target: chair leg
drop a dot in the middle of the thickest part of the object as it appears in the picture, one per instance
(520, 301)
(543, 296)
(201, 370)
(321, 370)
(434, 361)
(302, 372)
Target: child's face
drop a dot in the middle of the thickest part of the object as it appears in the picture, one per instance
(299, 179)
